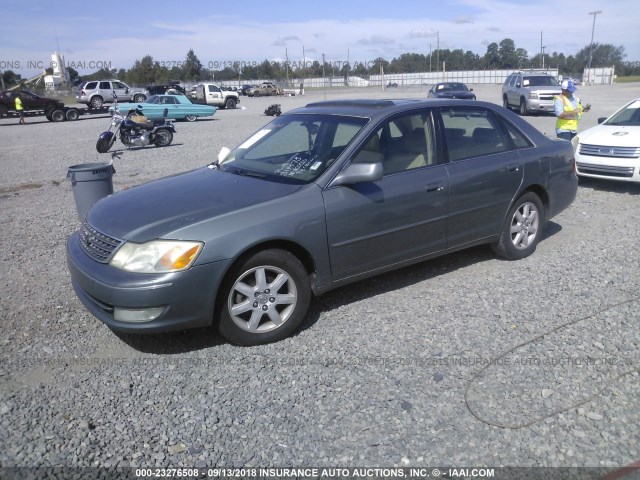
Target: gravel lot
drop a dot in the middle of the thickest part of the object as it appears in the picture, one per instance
(465, 360)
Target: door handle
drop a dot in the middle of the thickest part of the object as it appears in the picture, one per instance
(434, 187)
(514, 168)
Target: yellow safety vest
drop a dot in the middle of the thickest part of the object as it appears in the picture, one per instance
(568, 123)
(19, 104)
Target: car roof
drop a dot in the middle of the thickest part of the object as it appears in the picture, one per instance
(373, 108)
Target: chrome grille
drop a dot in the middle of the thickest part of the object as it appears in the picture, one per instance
(98, 246)
(604, 151)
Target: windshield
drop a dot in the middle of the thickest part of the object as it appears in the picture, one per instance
(629, 115)
(539, 81)
(452, 87)
(294, 148)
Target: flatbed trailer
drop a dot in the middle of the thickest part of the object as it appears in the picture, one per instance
(59, 114)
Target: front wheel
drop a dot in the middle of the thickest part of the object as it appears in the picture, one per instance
(105, 142)
(264, 299)
(523, 107)
(58, 115)
(505, 102)
(162, 138)
(139, 98)
(522, 229)
(191, 118)
(230, 103)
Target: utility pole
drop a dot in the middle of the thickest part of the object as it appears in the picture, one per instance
(543, 56)
(438, 50)
(593, 28)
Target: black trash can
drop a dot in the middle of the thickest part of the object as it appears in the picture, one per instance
(90, 182)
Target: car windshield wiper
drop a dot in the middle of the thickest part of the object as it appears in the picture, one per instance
(247, 173)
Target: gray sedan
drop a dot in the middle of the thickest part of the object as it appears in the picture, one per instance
(320, 197)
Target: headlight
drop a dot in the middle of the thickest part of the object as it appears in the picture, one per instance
(575, 141)
(533, 95)
(158, 256)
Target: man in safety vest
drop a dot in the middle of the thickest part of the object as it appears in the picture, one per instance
(20, 109)
(569, 110)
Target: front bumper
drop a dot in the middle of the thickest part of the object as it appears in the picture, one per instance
(608, 168)
(187, 297)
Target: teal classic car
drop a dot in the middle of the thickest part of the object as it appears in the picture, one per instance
(179, 107)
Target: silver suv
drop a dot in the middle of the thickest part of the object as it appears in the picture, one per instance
(96, 93)
(530, 92)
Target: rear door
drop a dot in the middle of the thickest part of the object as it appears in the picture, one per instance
(403, 216)
(485, 171)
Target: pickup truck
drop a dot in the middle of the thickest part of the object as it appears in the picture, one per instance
(264, 90)
(211, 94)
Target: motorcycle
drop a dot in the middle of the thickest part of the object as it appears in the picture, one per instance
(134, 133)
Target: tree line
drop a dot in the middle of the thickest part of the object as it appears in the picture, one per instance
(498, 56)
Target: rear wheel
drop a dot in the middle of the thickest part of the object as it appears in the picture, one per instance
(97, 102)
(523, 107)
(72, 114)
(191, 118)
(264, 299)
(162, 138)
(58, 115)
(3, 110)
(522, 229)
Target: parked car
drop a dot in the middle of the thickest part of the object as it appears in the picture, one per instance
(451, 90)
(179, 107)
(265, 89)
(96, 93)
(530, 92)
(245, 88)
(30, 101)
(611, 150)
(322, 196)
(173, 85)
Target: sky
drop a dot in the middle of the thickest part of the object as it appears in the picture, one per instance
(91, 35)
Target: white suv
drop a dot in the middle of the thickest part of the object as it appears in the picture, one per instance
(96, 93)
(530, 92)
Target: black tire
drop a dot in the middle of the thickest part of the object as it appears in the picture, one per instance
(3, 110)
(162, 137)
(522, 228)
(50, 107)
(139, 98)
(230, 103)
(72, 114)
(58, 115)
(271, 303)
(97, 102)
(505, 102)
(191, 118)
(104, 144)
(523, 107)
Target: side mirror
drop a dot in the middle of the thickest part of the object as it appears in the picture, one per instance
(601, 119)
(359, 173)
(165, 112)
(224, 152)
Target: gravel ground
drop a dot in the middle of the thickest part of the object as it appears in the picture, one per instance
(464, 360)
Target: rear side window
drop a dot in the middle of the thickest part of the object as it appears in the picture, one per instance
(472, 132)
(91, 85)
(105, 85)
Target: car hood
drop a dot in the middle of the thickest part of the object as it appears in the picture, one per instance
(612, 135)
(155, 209)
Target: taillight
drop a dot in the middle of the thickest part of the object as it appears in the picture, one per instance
(82, 92)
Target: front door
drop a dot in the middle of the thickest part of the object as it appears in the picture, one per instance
(401, 217)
